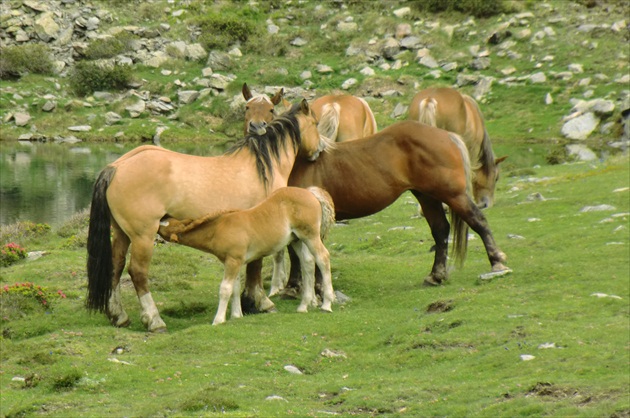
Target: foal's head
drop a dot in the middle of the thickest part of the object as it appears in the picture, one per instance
(259, 110)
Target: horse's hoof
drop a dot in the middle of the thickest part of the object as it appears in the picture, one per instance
(499, 267)
(289, 293)
(121, 324)
(273, 309)
(160, 330)
(431, 281)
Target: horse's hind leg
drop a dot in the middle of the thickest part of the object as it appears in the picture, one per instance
(322, 260)
(294, 283)
(120, 244)
(308, 276)
(434, 213)
(477, 221)
(253, 298)
(141, 252)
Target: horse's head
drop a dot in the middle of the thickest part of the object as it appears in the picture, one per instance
(485, 183)
(259, 110)
(312, 142)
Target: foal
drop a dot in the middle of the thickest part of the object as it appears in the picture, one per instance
(290, 215)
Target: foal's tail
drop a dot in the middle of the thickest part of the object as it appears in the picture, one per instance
(427, 110)
(328, 209)
(370, 127)
(100, 267)
(329, 122)
(459, 226)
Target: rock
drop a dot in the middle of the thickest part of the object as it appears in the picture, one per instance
(218, 60)
(581, 152)
(580, 127)
(402, 12)
(349, 83)
(429, 61)
(548, 99)
(538, 78)
(398, 111)
(403, 30)
(112, 118)
(292, 369)
(480, 63)
(299, 42)
(49, 106)
(333, 353)
(187, 96)
(598, 208)
(347, 27)
(390, 48)
(80, 128)
(527, 357)
(136, 109)
(21, 118)
(46, 27)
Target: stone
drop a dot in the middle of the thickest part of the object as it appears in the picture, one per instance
(402, 12)
(21, 118)
(187, 96)
(538, 78)
(136, 109)
(428, 61)
(581, 152)
(580, 127)
(349, 83)
(80, 128)
(46, 27)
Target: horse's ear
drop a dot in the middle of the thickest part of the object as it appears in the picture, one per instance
(500, 159)
(247, 94)
(277, 97)
(304, 108)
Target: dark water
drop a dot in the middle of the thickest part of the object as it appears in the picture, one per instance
(48, 183)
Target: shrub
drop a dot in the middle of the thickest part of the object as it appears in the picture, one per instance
(11, 253)
(16, 61)
(109, 47)
(477, 8)
(20, 299)
(222, 30)
(21, 231)
(89, 77)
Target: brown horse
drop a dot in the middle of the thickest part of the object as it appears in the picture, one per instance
(290, 215)
(343, 117)
(260, 110)
(448, 109)
(134, 192)
(367, 175)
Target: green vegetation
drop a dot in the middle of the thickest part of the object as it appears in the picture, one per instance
(396, 348)
(16, 61)
(89, 77)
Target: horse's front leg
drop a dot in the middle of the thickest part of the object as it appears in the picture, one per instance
(477, 221)
(436, 218)
(253, 298)
(230, 276)
(279, 277)
(237, 312)
(322, 272)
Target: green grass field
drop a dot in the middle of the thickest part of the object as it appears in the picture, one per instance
(396, 348)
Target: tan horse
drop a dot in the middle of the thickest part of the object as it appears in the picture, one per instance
(290, 215)
(260, 110)
(343, 117)
(448, 109)
(135, 192)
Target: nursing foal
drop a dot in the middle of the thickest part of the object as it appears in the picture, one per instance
(290, 215)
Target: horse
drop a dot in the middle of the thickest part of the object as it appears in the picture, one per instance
(134, 192)
(290, 215)
(366, 175)
(448, 109)
(343, 117)
(260, 110)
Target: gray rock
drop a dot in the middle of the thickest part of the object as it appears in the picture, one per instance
(349, 83)
(80, 128)
(481, 63)
(136, 109)
(112, 118)
(46, 27)
(21, 118)
(390, 48)
(299, 42)
(580, 127)
(429, 61)
(398, 111)
(538, 78)
(187, 96)
(598, 208)
(581, 152)
(49, 106)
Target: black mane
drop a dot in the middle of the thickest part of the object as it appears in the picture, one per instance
(266, 148)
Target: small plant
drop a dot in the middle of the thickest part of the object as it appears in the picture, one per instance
(16, 61)
(89, 77)
(21, 298)
(20, 231)
(11, 253)
(109, 47)
(222, 30)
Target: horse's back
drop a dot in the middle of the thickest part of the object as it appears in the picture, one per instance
(356, 119)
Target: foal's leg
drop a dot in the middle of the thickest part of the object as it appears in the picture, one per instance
(254, 299)
(436, 218)
(237, 312)
(308, 276)
(120, 245)
(230, 275)
(279, 277)
(322, 260)
(477, 221)
(141, 252)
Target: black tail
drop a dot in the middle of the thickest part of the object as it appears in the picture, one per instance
(100, 267)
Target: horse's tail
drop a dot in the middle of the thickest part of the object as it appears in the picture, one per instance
(370, 127)
(328, 209)
(460, 228)
(329, 122)
(100, 267)
(427, 109)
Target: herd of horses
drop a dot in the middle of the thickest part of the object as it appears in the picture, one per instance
(283, 184)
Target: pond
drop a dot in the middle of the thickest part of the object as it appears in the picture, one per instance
(48, 182)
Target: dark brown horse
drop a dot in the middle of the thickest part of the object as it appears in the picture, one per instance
(135, 192)
(448, 109)
(367, 175)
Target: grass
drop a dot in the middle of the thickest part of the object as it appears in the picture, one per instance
(401, 349)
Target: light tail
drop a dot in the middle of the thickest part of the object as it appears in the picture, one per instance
(458, 225)
(329, 122)
(328, 210)
(427, 110)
